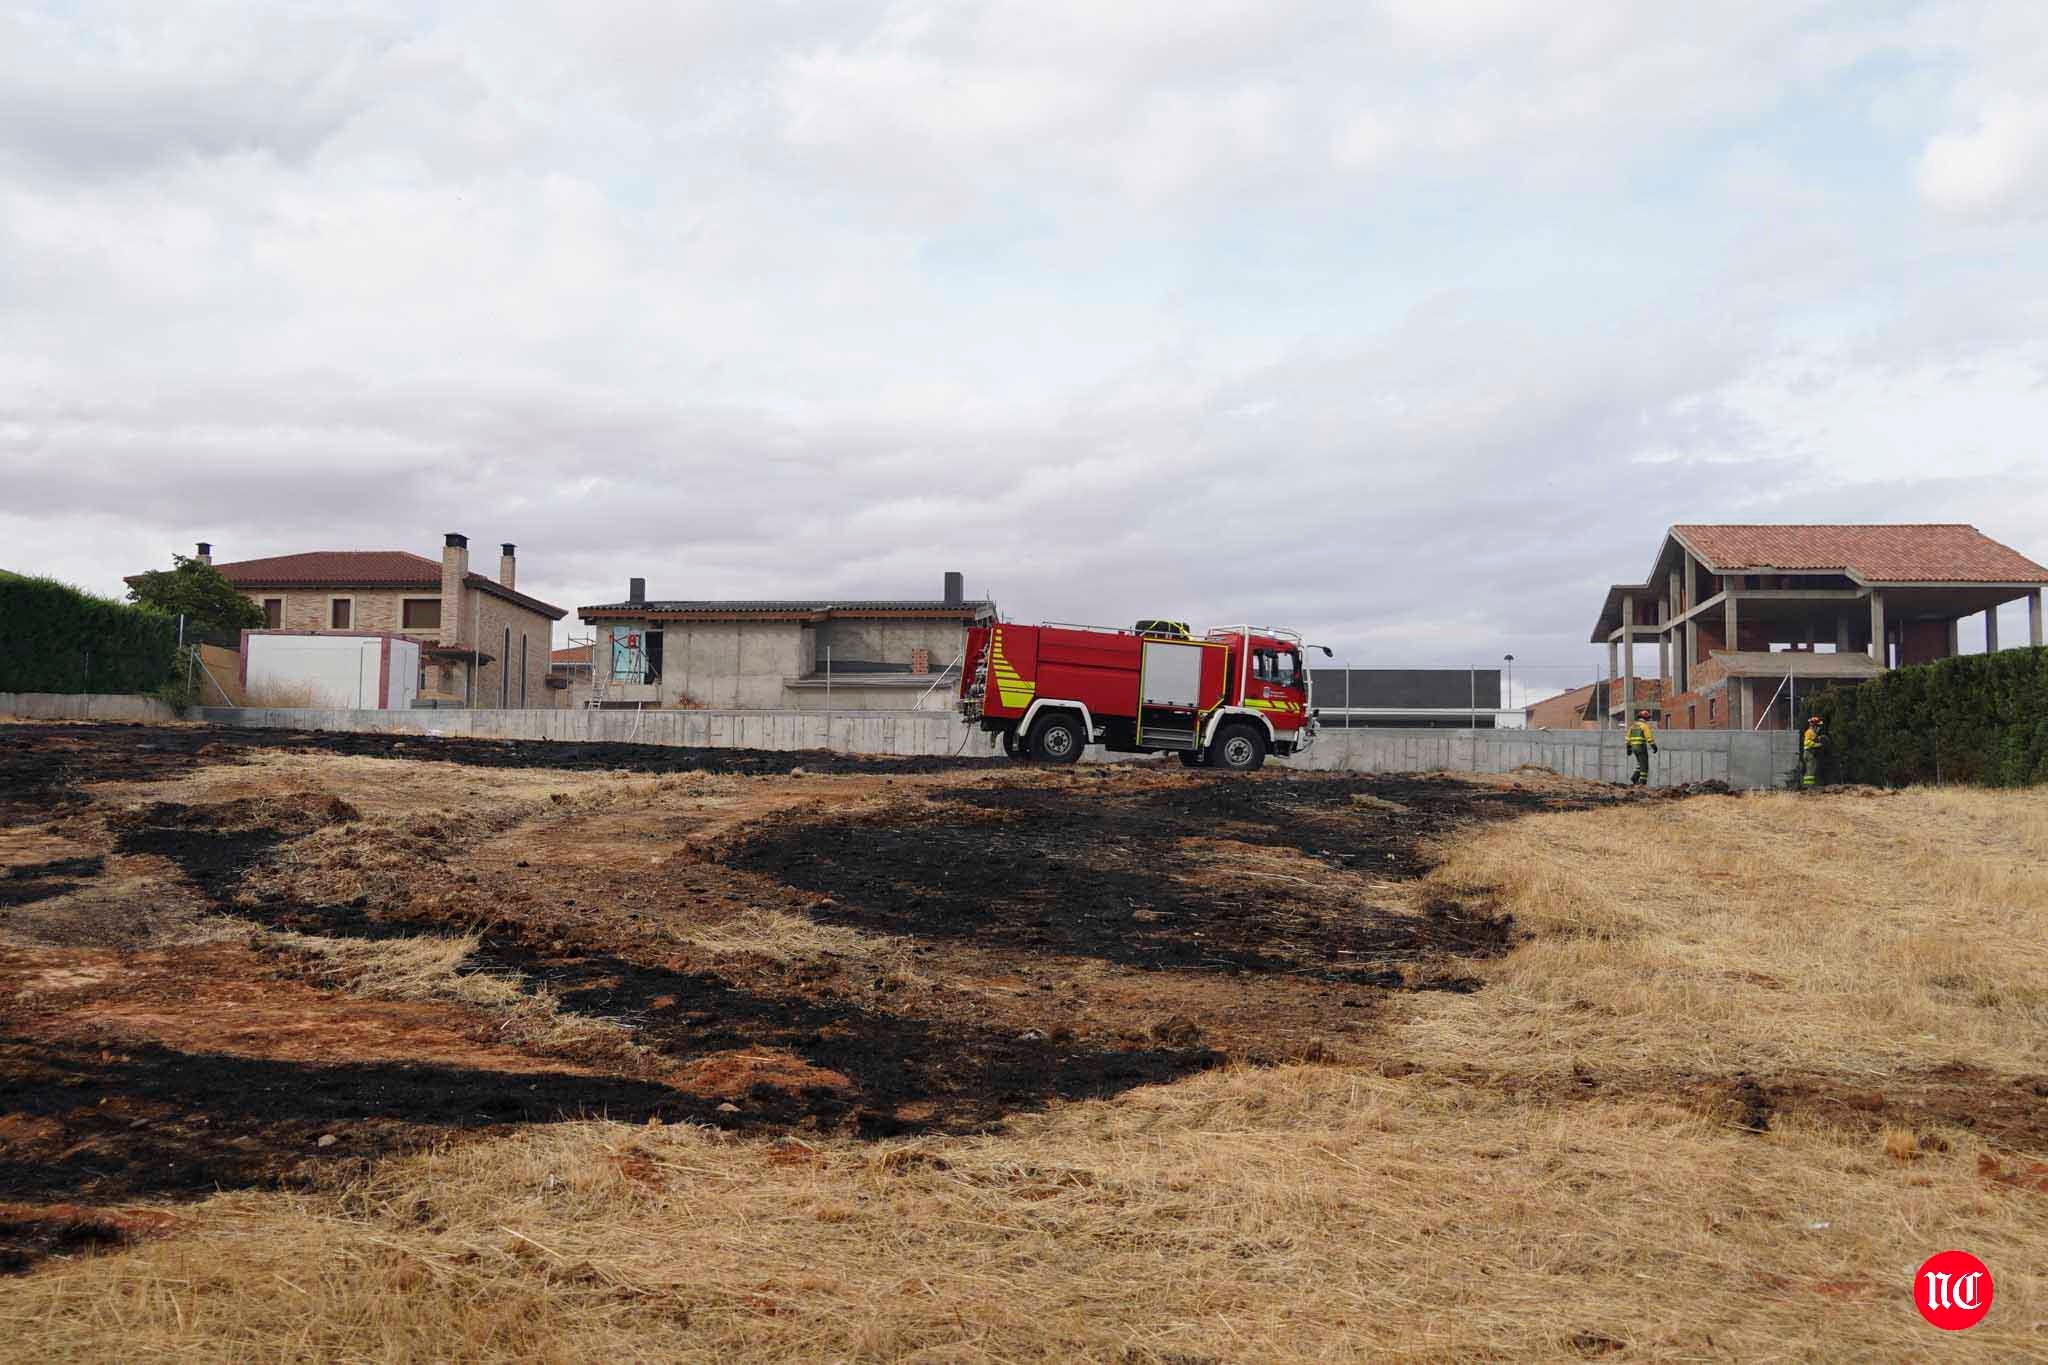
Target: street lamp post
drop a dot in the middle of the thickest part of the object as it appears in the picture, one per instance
(1509, 700)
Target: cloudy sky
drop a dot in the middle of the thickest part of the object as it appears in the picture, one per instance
(1408, 322)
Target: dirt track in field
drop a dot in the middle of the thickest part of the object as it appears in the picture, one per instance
(768, 943)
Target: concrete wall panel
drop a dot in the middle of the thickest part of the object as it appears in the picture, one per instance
(85, 706)
(1743, 760)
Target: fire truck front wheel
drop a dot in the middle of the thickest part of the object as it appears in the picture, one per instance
(1237, 749)
(1013, 744)
(1057, 738)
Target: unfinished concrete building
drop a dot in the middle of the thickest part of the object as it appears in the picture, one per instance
(804, 654)
(1750, 621)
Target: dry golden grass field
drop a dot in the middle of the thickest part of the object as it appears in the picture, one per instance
(324, 1048)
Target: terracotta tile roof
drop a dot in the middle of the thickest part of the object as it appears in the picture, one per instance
(575, 654)
(364, 569)
(1944, 553)
(335, 569)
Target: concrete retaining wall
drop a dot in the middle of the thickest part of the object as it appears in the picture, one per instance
(84, 706)
(1743, 760)
(848, 732)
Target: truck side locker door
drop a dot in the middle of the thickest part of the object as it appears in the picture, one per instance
(1215, 677)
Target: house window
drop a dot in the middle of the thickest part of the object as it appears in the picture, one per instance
(339, 612)
(273, 613)
(422, 613)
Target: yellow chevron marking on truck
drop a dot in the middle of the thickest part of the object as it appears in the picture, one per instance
(1011, 688)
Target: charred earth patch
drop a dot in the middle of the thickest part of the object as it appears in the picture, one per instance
(1104, 872)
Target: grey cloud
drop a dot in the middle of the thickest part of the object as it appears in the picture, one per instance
(775, 299)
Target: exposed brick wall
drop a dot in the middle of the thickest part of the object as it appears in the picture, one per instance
(1703, 708)
(378, 609)
(1565, 712)
(1647, 691)
(1922, 642)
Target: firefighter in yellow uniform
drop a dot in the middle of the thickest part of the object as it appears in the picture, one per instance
(1810, 745)
(1642, 742)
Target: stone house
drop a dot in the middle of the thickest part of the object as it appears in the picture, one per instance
(485, 643)
(792, 654)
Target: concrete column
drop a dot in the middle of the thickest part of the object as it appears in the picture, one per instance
(1690, 600)
(1731, 627)
(1877, 639)
(2034, 618)
(1607, 683)
(1664, 649)
(1678, 606)
(1991, 631)
(1745, 693)
(1628, 658)
(1842, 634)
(1954, 643)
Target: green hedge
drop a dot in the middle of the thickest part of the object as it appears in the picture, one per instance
(1978, 718)
(54, 638)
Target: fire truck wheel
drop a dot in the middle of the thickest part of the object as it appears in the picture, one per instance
(1057, 738)
(1013, 744)
(1193, 758)
(1238, 749)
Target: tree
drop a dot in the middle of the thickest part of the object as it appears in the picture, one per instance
(213, 608)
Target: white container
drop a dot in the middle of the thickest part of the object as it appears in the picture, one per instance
(362, 671)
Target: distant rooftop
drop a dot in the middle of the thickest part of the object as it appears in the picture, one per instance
(362, 569)
(807, 608)
(1908, 553)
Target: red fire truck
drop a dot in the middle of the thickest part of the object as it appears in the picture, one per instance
(1225, 700)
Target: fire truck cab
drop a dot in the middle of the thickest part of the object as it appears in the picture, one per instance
(1225, 700)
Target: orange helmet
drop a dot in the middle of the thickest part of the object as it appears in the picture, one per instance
(1815, 720)
(1642, 715)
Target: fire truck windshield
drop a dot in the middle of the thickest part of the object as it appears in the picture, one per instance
(1281, 667)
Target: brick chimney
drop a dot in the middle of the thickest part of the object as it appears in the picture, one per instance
(454, 568)
(508, 563)
(205, 555)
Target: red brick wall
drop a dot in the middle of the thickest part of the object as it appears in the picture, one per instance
(1563, 712)
(1709, 636)
(1923, 642)
(1701, 709)
(1647, 691)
